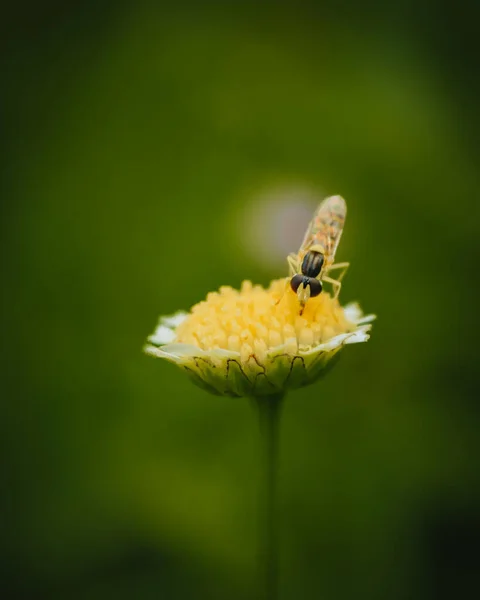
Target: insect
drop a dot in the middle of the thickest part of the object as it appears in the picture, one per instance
(315, 259)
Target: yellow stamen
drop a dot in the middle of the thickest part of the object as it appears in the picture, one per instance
(252, 321)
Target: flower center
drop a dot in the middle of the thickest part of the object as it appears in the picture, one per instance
(253, 320)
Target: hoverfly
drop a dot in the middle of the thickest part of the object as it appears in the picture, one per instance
(315, 259)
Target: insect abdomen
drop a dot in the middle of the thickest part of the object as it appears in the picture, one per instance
(312, 263)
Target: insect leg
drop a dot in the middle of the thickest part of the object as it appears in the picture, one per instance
(293, 263)
(344, 266)
(294, 266)
(287, 281)
(336, 284)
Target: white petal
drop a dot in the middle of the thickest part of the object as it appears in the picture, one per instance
(221, 353)
(176, 352)
(327, 346)
(182, 350)
(353, 312)
(162, 335)
(336, 341)
(366, 319)
(360, 335)
(159, 353)
(271, 352)
(174, 320)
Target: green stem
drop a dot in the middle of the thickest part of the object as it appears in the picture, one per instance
(269, 412)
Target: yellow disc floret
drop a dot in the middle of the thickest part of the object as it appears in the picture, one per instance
(254, 320)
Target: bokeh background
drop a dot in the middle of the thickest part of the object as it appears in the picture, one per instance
(153, 152)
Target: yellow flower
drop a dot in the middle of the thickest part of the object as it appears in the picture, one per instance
(254, 342)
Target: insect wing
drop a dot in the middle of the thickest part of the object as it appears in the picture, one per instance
(326, 227)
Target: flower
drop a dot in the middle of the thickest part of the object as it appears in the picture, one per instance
(254, 342)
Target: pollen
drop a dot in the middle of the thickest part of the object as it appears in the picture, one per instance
(255, 320)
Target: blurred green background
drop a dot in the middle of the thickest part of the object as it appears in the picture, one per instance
(143, 150)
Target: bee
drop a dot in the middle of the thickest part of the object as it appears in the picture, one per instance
(310, 267)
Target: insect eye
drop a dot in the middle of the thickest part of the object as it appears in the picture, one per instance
(296, 281)
(315, 287)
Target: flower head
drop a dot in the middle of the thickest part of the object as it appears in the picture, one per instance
(254, 342)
